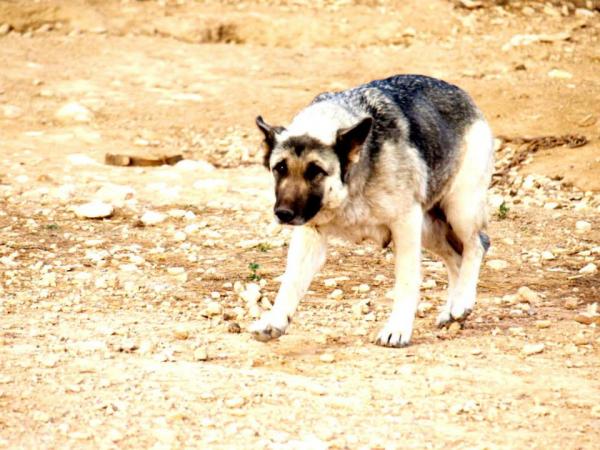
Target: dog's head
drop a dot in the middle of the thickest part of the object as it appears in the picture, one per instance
(310, 175)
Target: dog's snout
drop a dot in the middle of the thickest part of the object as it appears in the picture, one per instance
(286, 215)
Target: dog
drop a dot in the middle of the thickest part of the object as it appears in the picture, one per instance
(406, 160)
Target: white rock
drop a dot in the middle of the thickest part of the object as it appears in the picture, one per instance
(330, 283)
(115, 194)
(429, 284)
(190, 165)
(336, 294)
(532, 349)
(548, 256)
(364, 288)
(74, 112)
(327, 358)
(527, 295)
(560, 74)
(153, 218)
(94, 210)
(251, 294)
(582, 226)
(497, 264)
(589, 269)
(213, 309)
(11, 111)
(179, 236)
(79, 159)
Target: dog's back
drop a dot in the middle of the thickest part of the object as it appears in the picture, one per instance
(428, 114)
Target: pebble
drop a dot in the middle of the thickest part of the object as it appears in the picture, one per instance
(235, 402)
(74, 112)
(251, 294)
(543, 324)
(589, 269)
(454, 328)
(532, 349)
(497, 264)
(11, 111)
(581, 226)
(528, 295)
(560, 74)
(336, 294)
(150, 218)
(571, 303)
(5, 29)
(330, 283)
(213, 309)
(181, 332)
(94, 210)
(234, 328)
(200, 354)
(179, 236)
(327, 358)
(363, 288)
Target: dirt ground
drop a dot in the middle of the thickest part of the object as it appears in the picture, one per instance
(118, 333)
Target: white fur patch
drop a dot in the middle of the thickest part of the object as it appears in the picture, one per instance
(321, 120)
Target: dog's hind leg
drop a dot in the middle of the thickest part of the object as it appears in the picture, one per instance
(439, 238)
(306, 256)
(465, 209)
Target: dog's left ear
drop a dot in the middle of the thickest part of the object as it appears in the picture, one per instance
(349, 142)
(270, 133)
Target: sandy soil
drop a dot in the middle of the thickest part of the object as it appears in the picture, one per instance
(120, 335)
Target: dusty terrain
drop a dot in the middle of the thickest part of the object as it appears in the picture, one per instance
(120, 334)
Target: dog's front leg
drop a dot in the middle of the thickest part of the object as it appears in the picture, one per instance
(406, 234)
(306, 256)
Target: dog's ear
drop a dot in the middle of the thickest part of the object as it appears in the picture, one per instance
(270, 133)
(349, 142)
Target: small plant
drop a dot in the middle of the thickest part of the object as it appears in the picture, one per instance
(263, 247)
(503, 211)
(253, 268)
(52, 226)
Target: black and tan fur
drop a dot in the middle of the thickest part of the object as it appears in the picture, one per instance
(407, 159)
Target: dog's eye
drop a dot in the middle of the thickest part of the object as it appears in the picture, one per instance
(280, 168)
(313, 171)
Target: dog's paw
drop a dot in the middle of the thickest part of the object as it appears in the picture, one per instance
(394, 335)
(457, 314)
(268, 327)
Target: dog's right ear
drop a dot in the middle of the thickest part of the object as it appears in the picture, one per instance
(270, 140)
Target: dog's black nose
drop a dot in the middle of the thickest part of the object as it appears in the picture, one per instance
(284, 214)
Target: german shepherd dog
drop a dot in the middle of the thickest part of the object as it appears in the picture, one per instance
(406, 160)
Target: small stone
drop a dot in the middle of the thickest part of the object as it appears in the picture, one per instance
(49, 361)
(181, 332)
(179, 236)
(128, 345)
(379, 278)
(330, 283)
(429, 284)
(213, 309)
(235, 402)
(497, 264)
(454, 328)
(571, 303)
(5, 28)
(541, 324)
(234, 328)
(580, 339)
(532, 349)
(11, 111)
(548, 256)
(588, 269)
(560, 74)
(363, 288)
(94, 210)
(528, 295)
(201, 354)
(581, 226)
(327, 358)
(74, 112)
(336, 294)
(251, 294)
(150, 218)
